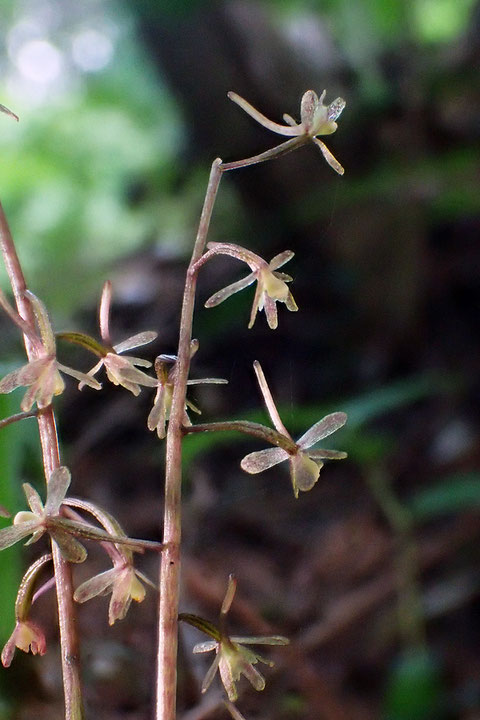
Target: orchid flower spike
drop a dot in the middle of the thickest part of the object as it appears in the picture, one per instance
(232, 659)
(315, 119)
(121, 370)
(42, 375)
(271, 284)
(166, 370)
(305, 464)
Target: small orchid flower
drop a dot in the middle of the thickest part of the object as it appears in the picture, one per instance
(121, 580)
(121, 370)
(42, 375)
(232, 659)
(166, 370)
(271, 285)
(42, 518)
(315, 119)
(27, 635)
(305, 464)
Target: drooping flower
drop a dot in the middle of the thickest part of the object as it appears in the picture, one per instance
(122, 580)
(166, 371)
(271, 285)
(315, 119)
(232, 658)
(305, 464)
(121, 370)
(42, 518)
(27, 635)
(42, 375)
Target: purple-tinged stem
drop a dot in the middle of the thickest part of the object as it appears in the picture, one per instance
(170, 560)
(51, 461)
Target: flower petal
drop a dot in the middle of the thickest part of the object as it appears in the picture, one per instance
(81, 376)
(206, 646)
(280, 259)
(269, 124)
(142, 338)
(331, 159)
(327, 454)
(322, 429)
(157, 417)
(33, 499)
(211, 672)
(95, 586)
(226, 292)
(304, 472)
(261, 460)
(57, 486)
(261, 640)
(14, 533)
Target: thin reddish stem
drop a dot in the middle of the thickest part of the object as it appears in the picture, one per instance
(51, 461)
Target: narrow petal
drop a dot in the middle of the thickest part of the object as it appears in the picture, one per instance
(270, 306)
(280, 259)
(304, 472)
(227, 676)
(33, 499)
(206, 646)
(261, 640)
(331, 159)
(142, 338)
(269, 401)
(14, 533)
(226, 292)
(104, 311)
(269, 124)
(290, 303)
(83, 378)
(95, 586)
(209, 381)
(211, 672)
(335, 108)
(257, 462)
(289, 120)
(253, 676)
(322, 429)
(327, 454)
(57, 486)
(256, 304)
(23, 376)
(91, 373)
(158, 416)
(137, 361)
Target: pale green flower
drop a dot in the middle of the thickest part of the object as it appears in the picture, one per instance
(232, 658)
(305, 464)
(271, 284)
(42, 518)
(42, 375)
(121, 370)
(315, 119)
